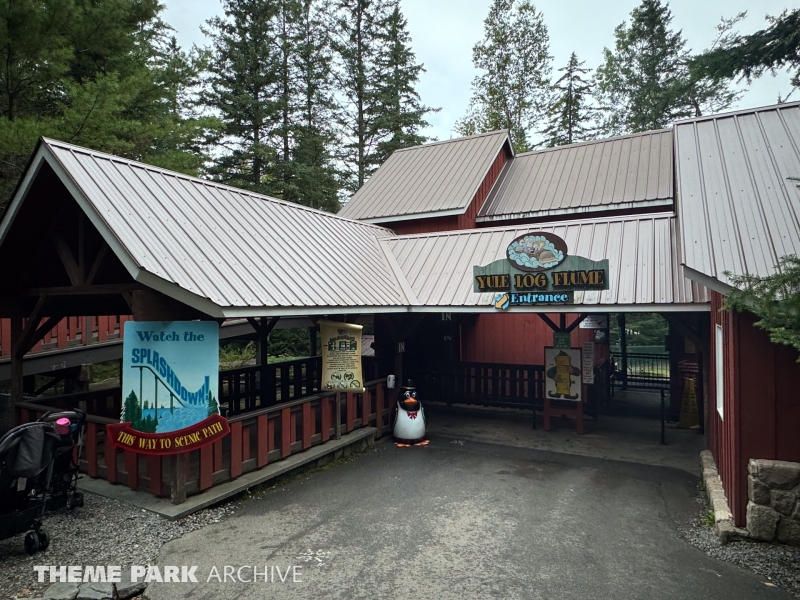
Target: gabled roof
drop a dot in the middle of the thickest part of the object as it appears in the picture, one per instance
(628, 172)
(433, 180)
(738, 210)
(224, 251)
(644, 273)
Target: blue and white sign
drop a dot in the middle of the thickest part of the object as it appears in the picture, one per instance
(170, 374)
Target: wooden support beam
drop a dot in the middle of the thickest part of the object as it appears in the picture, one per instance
(547, 321)
(70, 265)
(39, 333)
(576, 322)
(23, 343)
(84, 290)
(96, 264)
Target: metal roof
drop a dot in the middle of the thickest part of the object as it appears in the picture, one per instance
(627, 172)
(226, 247)
(643, 263)
(738, 211)
(437, 179)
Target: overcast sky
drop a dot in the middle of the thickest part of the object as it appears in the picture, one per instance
(444, 31)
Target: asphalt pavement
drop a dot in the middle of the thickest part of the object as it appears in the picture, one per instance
(462, 520)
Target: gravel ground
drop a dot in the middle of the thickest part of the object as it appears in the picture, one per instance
(777, 563)
(103, 532)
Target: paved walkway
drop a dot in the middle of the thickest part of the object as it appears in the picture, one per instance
(630, 439)
(465, 520)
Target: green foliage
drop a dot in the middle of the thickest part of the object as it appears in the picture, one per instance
(236, 354)
(644, 82)
(570, 117)
(709, 519)
(288, 343)
(642, 329)
(106, 75)
(512, 89)
(750, 56)
(376, 72)
(774, 299)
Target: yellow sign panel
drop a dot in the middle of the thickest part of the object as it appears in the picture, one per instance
(341, 356)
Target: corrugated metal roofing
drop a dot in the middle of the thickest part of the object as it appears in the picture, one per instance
(236, 248)
(633, 171)
(439, 178)
(643, 262)
(738, 211)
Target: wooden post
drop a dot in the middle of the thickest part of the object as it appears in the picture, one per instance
(177, 479)
(312, 341)
(7, 418)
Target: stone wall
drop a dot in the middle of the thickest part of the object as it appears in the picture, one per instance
(773, 510)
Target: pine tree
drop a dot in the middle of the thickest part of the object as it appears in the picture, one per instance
(314, 181)
(644, 83)
(750, 56)
(402, 113)
(242, 87)
(375, 106)
(570, 118)
(213, 406)
(107, 75)
(512, 90)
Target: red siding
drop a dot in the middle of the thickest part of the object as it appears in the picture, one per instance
(464, 221)
(761, 407)
(512, 338)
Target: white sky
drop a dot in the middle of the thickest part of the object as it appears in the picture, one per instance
(444, 31)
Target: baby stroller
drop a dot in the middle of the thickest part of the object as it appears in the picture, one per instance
(63, 489)
(27, 454)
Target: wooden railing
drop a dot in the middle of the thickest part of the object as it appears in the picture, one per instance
(256, 439)
(70, 331)
(240, 389)
(488, 384)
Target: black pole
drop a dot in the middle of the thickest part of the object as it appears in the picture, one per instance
(623, 348)
(663, 425)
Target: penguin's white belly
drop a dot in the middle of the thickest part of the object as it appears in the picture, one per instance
(410, 425)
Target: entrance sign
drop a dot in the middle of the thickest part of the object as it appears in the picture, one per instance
(587, 362)
(594, 322)
(170, 381)
(562, 374)
(538, 270)
(341, 356)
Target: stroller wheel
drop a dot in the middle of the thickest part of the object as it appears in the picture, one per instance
(31, 542)
(44, 540)
(79, 499)
(71, 502)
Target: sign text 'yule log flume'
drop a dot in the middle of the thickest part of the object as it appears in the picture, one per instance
(539, 270)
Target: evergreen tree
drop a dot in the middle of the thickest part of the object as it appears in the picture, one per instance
(749, 56)
(774, 299)
(241, 87)
(512, 90)
(379, 110)
(213, 406)
(107, 75)
(644, 83)
(269, 80)
(570, 118)
(132, 411)
(402, 114)
(314, 181)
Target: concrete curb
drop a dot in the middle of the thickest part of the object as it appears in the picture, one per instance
(351, 442)
(715, 493)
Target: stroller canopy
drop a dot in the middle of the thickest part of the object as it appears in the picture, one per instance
(25, 451)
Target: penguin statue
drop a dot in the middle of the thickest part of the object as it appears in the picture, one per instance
(409, 416)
